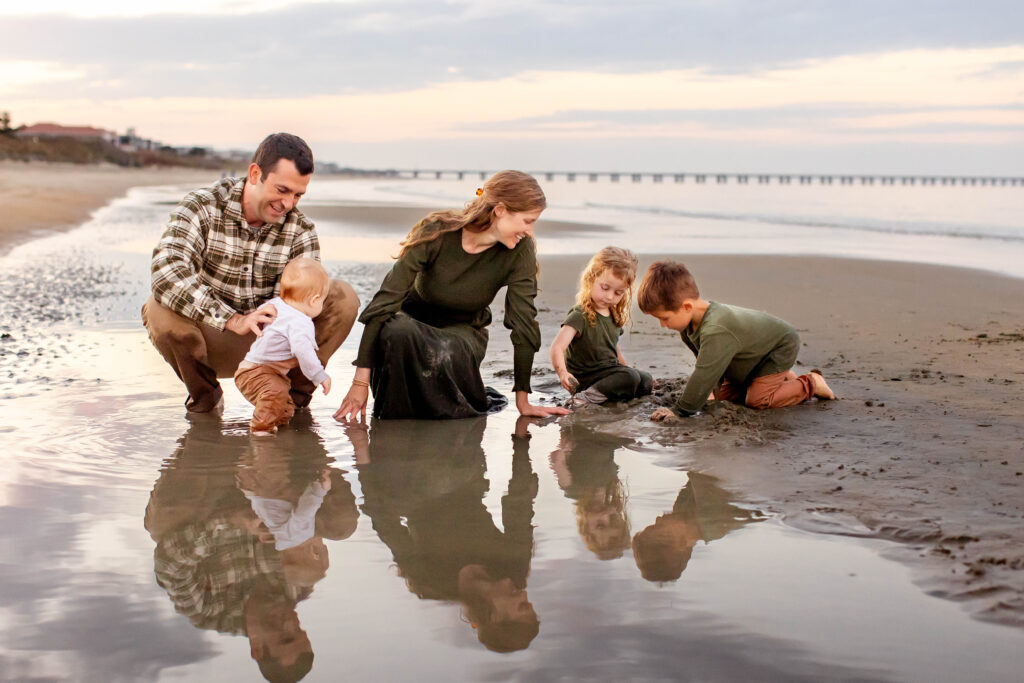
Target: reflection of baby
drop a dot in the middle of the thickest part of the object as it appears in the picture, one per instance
(291, 520)
(288, 341)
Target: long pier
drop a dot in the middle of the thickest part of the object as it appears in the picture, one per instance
(721, 178)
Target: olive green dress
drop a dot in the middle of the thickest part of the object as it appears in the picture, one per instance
(593, 358)
(425, 332)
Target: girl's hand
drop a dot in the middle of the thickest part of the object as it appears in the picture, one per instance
(354, 404)
(527, 409)
(568, 381)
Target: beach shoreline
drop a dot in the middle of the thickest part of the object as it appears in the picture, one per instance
(46, 197)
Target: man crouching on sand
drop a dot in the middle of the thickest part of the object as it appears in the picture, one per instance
(743, 356)
(221, 257)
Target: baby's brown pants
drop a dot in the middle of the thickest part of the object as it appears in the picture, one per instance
(267, 388)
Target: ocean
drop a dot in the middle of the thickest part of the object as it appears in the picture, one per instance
(969, 226)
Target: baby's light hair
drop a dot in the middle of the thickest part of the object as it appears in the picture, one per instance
(622, 263)
(303, 278)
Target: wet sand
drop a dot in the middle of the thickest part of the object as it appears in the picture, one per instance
(923, 447)
(41, 197)
(925, 444)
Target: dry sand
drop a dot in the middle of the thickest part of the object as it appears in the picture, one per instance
(40, 196)
(925, 445)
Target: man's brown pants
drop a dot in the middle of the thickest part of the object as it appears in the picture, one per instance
(199, 354)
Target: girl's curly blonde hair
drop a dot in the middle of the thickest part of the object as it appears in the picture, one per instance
(518, 191)
(623, 264)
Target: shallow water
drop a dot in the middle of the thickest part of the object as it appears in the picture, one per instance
(132, 545)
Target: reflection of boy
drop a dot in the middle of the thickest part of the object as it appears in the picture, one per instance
(304, 558)
(701, 512)
(742, 355)
(289, 341)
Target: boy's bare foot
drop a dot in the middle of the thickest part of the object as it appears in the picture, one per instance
(821, 389)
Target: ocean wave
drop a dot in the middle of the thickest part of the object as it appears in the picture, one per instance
(929, 228)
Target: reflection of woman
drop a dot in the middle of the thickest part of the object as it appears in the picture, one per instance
(431, 475)
(426, 328)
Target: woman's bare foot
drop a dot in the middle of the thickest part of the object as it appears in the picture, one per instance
(821, 389)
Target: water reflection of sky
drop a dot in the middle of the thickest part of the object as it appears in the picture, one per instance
(94, 433)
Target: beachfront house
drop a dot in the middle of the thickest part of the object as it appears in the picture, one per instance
(54, 130)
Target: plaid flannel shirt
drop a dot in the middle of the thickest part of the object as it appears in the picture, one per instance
(210, 264)
(209, 567)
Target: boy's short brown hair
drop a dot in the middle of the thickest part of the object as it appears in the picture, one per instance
(665, 285)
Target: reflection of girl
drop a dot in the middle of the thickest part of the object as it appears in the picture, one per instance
(584, 465)
(426, 328)
(431, 475)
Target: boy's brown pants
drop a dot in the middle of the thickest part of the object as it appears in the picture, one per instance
(771, 391)
(267, 387)
(199, 354)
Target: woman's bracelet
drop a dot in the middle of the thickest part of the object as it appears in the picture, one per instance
(360, 383)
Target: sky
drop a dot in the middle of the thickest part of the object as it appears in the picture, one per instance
(812, 86)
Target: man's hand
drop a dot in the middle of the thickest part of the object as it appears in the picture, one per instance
(252, 322)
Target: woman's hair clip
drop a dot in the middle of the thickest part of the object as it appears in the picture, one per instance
(479, 192)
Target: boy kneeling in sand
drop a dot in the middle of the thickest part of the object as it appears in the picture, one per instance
(288, 341)
(743, 356)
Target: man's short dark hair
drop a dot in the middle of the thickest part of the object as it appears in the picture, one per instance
(279, 146)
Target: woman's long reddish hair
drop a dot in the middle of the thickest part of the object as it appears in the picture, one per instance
(518, 191)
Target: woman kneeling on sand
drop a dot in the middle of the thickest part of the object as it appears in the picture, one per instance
(425, 330)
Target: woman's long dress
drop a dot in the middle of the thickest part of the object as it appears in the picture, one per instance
(425, 332)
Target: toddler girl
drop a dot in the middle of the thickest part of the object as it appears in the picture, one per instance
(585, 354)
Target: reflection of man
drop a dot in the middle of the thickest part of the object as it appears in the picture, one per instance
(432, 476)
(702, 512)
(215, 558)
(221, 257)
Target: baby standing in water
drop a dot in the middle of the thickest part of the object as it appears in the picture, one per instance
(586, 354)
(287, 342)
